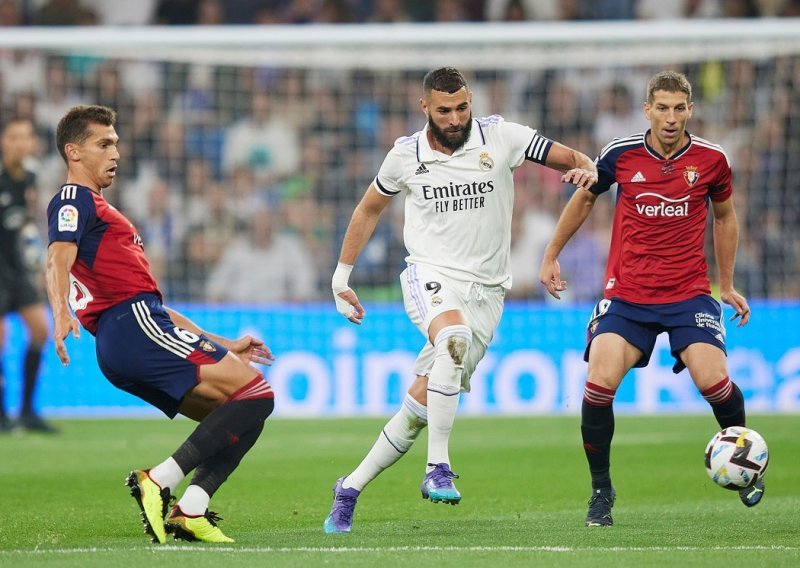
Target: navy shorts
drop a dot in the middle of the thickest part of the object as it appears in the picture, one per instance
(696, 320)
(141, 351)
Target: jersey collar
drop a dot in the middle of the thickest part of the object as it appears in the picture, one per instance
(427, 154)
(675, 156)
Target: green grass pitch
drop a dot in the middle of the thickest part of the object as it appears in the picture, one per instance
(524, 484)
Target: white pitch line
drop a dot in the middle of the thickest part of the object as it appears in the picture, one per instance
(375, 549)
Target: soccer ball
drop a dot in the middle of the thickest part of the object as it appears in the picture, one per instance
(736, 457)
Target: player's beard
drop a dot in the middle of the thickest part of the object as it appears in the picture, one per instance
(452, 139)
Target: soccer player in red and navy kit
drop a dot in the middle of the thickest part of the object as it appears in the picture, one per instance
(656, 278)
(96, 267)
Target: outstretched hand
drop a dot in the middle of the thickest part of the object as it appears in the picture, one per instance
(252, 350)
(348, 305)
(738, 303)
(550, 277)
(583, 179)
(62, 327)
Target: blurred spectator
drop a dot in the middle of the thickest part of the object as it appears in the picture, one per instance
(263, 264)
(10, 14)
(122, 12)
(618, 116)
(676, 9)
(210, 13)
(264, 141)
(388, 12)
(22, 71)
(176, 12)
(65, 13)
(533, 9)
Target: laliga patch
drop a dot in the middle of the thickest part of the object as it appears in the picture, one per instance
(68, 218)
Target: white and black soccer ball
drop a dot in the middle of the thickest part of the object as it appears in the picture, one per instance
(736, 457)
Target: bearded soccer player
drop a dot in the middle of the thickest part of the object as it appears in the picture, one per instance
(18, 289)
(656, 278)
(96, 266)
(456, 179)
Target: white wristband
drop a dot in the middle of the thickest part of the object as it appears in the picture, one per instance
(340, 278)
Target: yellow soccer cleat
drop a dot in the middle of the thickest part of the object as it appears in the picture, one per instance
(203, 528)
(152, 500)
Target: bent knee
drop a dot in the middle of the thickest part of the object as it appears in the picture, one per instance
(455, 340)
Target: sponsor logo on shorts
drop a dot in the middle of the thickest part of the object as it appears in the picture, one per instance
(68, 218)
(709, 321)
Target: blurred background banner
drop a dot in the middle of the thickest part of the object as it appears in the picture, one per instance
(326, 366)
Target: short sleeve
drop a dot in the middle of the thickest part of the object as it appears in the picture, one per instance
(389, 180)
(722, 187)
(524, 143)
(69, 214)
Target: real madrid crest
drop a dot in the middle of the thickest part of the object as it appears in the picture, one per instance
(485, 162)
(690, 175)
(435, 301)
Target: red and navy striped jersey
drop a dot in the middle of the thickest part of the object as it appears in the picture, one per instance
(657, 251)
(111, 265)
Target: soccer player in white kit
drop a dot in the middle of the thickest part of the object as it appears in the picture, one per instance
(456, 177)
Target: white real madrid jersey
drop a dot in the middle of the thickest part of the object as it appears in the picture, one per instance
(458, 208)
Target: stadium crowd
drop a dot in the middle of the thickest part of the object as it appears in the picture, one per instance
(221, 164)
(215, 12)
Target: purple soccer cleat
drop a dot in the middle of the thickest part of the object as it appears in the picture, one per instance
(340, 519)
(438, 485)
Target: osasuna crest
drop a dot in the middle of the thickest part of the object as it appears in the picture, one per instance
(690, 175)
(485, 162)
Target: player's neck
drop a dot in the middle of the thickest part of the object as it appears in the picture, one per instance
(435, 145)
(666, 152)
(79, 179)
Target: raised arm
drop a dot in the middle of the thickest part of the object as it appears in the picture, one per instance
(572, 217)
(726, 240)
(60, 258)
(362, 225)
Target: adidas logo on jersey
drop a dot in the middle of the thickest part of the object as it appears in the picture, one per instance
(638, 177)
(421, 170)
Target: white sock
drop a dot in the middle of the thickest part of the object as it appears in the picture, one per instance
(167, 474)
(393, 442)
(444, 387)
(194, 501)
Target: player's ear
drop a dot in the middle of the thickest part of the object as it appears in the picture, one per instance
(72, 151)
(423, 105)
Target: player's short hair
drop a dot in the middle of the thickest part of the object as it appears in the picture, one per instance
(671, 82)
(445, 79)
(73, 128)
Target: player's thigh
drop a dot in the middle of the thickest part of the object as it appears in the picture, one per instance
(610, 358)
(706, 363)
(218, 381)
(429, 296)
(35, 318)
(141, 351)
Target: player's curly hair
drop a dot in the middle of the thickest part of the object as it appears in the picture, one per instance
(445, 79)
(73, 128)
(671, 82)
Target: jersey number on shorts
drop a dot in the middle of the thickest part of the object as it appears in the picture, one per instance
(186, 336)
(433, 287)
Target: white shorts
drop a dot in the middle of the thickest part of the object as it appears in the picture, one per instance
(427, 293)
